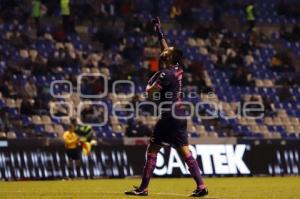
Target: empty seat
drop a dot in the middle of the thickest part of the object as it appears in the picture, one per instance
(200, 128)
(242, 121)
(267, 135)
(255, 128)
(11, 103)
(277, 121)
(2, 135)
(36, 119)
(11, 135)
(95, 70)
(141, 118)
(276, 135)
(46, 119)
(263, 129)
(212, 135)
(233, 106)
(202, 134)
(105, 71)
(191, 129)
(114, 120)
(85, 70)
(226, 106)
(251, 121)
(281, 113)
(259, 83)
(297, 128)
(268, 83)
(117, 129)
(151, 120)
(286, 121)
(231, 113)
(268, 121)
(294, 120)
(59, 129)
(65, 120)
(49, 128)
(290, 129)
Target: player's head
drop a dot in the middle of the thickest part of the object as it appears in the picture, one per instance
(171, 56)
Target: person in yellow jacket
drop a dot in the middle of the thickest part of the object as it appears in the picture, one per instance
(36, 12)
(71, 141)
(250, 15)
(65, 11)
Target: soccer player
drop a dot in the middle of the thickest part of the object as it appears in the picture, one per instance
(71, 141)
(169, 130)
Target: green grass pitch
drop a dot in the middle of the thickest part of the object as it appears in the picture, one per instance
(221, 188)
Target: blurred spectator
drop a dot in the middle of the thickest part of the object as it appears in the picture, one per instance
(202, 31)
(286, 79)
(281, 62)
(195, 76)
(137, 129)
(2, 123)
(292, 35)
(295, 35)
(269, 107)
(241, 77)
(27, 108)
(29, 90)
(5, 123)
(284, 94)
(36, 12)
(234, 59)
(65, 10)
(288, 8)
(40, 106)
(107, 8)
(92, 114)
(8, 89)
(249, 59)
(176, 10)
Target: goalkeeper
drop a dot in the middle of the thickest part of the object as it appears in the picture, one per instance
(170, 130)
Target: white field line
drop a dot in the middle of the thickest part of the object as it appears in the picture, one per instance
(96, 193)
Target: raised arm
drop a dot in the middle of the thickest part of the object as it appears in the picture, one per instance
(160, 34)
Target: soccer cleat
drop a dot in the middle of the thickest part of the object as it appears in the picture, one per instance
(199, 192)
(137, 192)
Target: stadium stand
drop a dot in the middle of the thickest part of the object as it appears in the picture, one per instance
(237, 66)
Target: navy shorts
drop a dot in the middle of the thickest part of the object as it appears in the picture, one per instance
(73, 154)
(169, 131)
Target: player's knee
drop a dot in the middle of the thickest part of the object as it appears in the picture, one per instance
(184, 151)
(153, 149)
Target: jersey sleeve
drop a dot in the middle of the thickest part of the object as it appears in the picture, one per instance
(154, 78)
(161, 79)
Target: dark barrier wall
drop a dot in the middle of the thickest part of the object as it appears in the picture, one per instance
(43, 160)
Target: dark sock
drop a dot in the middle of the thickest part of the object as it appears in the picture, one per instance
(195, 171)
(71, 172)
(148, 170)
(78, 171)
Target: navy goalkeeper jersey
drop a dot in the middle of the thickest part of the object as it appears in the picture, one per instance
(169, 82)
